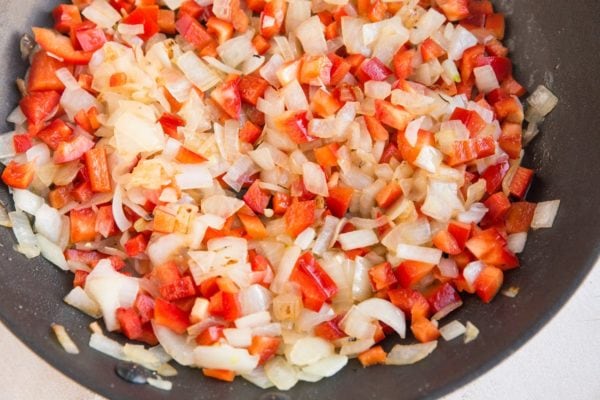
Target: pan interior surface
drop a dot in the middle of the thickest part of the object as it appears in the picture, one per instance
(552, 43)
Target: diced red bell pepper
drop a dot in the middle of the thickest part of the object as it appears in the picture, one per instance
(225, 305)
(97, 168)
(497, 205)
(520, 182)
(256, 198)
(424, 330)
(42, 74)
(281, 202)
(18, 175)
(210, 335)
(494, 175)
(91, 39)
(388, 195)
(265, 347)
(339, 200)
(130, 322)
(136, 245)
(249, 133)
(186, 156)
(330, 330)
(169, 315)
(60, 46)
(444, 241)
(295, 125)
(72, 149)
(83, 225)
(82, 192)
(382, 276)
(192, 31)
(22, 142)
(55, 133)
(519, 217)
(227, 96)
(402, 63)
(442, 296)
(316, 285)
(251, 88)
(410, 301)
(324, 104)
(512, 87)
(410, 153)
(490, 247)
(496, 24)
(339, 69)
(410, 273)
(465, 151)
(144, 305)
(90, 258)
(260, 44)
(488, 283)
(299, 216)
(37, 106)
(326, 156)
(502, 66)
(471, 119)
(376, 130)
(180, 289)
(147, 16)
(219, 374)
(121, 5)
(391, 115)
(59, 196)
(373, 356)
(222, 29)
(66, 16)
(454, 9)
(170, 123)
(511, 139)
(509, 109)
(80, 278)
(191, 8)
(272, 17)
(166, 22)
(469, 61)
(372, 70)
(430, 50)
(254, 227)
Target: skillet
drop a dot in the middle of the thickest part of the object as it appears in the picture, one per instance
(552, 42)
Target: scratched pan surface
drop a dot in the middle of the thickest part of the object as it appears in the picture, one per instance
(554, 42)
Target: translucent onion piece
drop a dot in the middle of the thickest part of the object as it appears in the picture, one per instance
(409, 354)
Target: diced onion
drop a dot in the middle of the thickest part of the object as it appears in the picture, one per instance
(327, 366)
(197, 71)
(452, 330)
(51, 252)
(541, 102)
(79, 299)
(418, 253)
(28, 244)
(160, 383)
(516, 242)
(357, 239)
(283, 375)
(485, 78)
(385, 312)
(471, 332)
(309, 350)
(410, 354)
(545, 213)
(102, 14)
(472, 270)
(311, 35)
(64, 339)
(225, 357)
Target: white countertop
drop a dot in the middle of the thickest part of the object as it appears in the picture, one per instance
(560, 362)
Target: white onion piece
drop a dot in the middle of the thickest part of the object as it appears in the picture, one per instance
(308, 350)
(285, 267)
(283, 375)
(410, 354)
(352, 347)
(442, 200)
(194, 176)
(238, 337)
(253, 320)
(221, 206)
(377, 89)
(224, 357)
(175, 345)
(140, 355)
(239, 172)
(471, 332)
(40, 153)
(197, 71)
(67, 79)
(79, 299)
(325, 235)
(28, 244)
(258, 376)
(452, 330)
(475, 213)
(461, 40)
(516, 242)
(385, 312)
(16, 116)
(352, 36)
(305, 238)
(472, 270)
(27, 201)
(254, 299)
(545, 213)
(106, 345)
(314, 179)
(222, 9)
(64, 339)
(541, 102)
(485, 78)
(311, 35)
(417, 253)
(234, 51)
(117, 209)
(448, 268)
(357, 239)
(297, 12)
(77, 99)
(429, 159)
(160, 383)
(308, 319)
(357, 324)
(327, 366)
(48, 222)
(102, 14)
(7, 148)
(130, 30)
(4, 219)
(51, 252)
(430, 22)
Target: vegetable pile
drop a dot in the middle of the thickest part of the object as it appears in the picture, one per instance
(269, 188)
